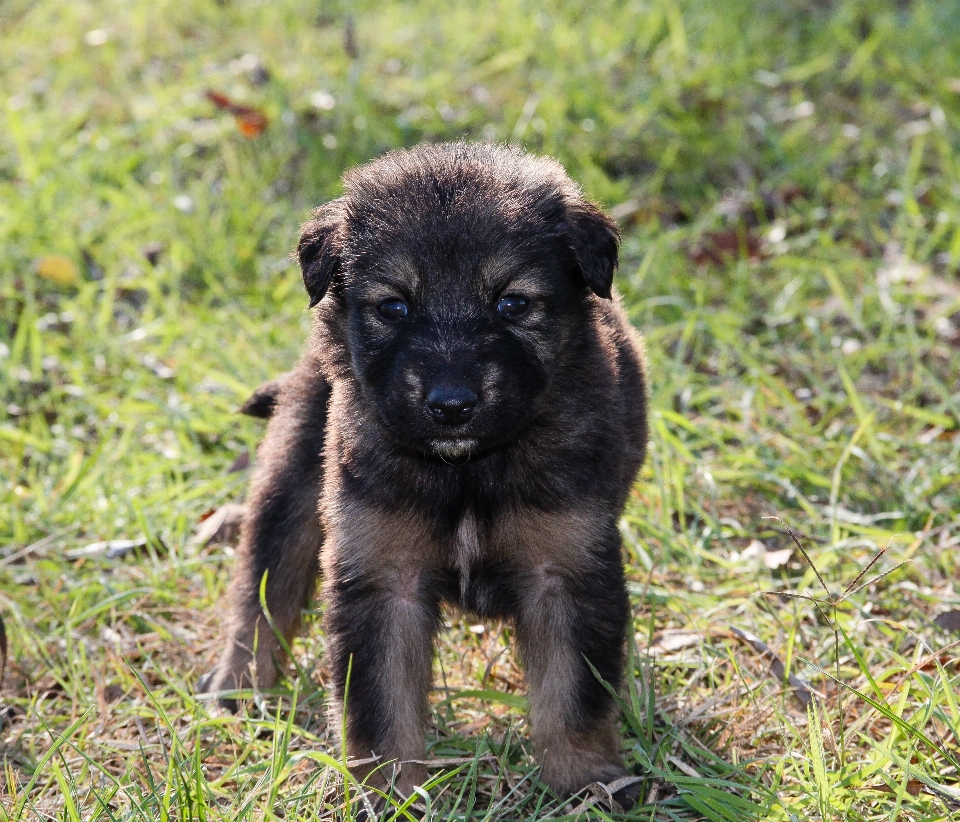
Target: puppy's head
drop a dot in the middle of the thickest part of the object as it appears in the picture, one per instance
(452, 277)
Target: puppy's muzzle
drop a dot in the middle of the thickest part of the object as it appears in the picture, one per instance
(451, 406)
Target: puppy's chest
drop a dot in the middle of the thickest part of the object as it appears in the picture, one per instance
(466, 549)
(466, 555)
(482, 575)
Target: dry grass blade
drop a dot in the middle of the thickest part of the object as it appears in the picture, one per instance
(803, 551)
(870, 582)
(876, 557)
(604, 793)
(39, 545)
(111, 549)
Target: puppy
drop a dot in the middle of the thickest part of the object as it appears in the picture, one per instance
(464, 428)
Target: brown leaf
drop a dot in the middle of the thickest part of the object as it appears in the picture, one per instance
(914, 787)
(220, 100)
(241, 463)
(718, 247)
(222, 526)
(251, 122)
(633, 212)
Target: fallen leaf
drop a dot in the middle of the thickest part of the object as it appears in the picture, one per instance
(220, 100)
(111, 549)
(718, 247)
(671, 640)
(755, 550)
(241, 463)
(57, 269)
(777, 559)
(632, 212)
(682, 766)
(758, 550)
(222, 526)
(251, 122)
(625, 210)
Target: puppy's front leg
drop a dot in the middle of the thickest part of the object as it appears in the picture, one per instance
(382, 614)
(573, 610)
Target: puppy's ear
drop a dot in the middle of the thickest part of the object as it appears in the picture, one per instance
(593, 238)
(318, 251)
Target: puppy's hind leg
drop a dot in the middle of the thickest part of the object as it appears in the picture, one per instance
(281, 537)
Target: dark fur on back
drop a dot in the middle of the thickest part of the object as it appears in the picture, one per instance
(468, 418)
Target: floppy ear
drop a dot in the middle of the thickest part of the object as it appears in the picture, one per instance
(318, 251)
(593, 238)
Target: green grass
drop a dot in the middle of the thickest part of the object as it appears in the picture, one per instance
(810, 373)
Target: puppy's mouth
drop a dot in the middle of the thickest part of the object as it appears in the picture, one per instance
(452, 449)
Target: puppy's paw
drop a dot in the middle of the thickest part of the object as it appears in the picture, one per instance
(626, 791)
(208, 684)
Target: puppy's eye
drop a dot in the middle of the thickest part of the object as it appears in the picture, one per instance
(513, 306)
(392, 310)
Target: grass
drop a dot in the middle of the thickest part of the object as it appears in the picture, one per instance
(787, 177)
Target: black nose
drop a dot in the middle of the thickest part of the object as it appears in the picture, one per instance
(451, 406)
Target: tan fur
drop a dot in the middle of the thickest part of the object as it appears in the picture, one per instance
(552, 547)
(535, 539)
(395, 551)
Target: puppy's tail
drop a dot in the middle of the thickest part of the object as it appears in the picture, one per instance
(263, 401)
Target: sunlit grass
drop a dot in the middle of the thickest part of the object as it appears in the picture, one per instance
(786, 178)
